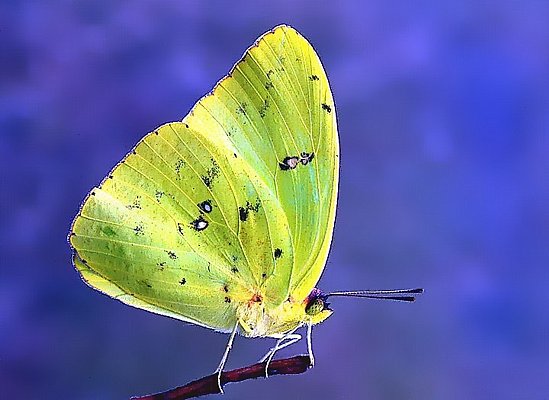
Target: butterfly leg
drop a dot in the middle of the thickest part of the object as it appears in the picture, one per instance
(284, 341)
(310, 344)
(219, 369)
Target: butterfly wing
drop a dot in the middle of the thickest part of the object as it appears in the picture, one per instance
(200, 216)
(276, 106)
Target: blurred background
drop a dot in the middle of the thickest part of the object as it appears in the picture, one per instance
(444, 115)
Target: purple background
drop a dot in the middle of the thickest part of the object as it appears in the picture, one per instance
(443, 115)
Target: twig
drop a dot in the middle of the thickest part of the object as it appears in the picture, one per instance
(208, 384)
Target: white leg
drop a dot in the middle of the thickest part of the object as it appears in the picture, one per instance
(285, 341)
(310, 344)
(219, 369)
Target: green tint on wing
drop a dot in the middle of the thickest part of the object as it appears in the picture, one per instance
(165, 227)
(207, 213)
(276, 103)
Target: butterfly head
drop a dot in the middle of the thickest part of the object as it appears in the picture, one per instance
(317, 306)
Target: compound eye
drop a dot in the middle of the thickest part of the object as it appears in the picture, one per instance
(315, 306)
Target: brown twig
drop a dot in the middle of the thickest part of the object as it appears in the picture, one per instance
(208, 384)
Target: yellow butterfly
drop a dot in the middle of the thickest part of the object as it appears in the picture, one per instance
(225, 219)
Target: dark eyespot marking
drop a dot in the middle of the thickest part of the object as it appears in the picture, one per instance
(134, 152)
(110, 176)
(326, 108)
(171, 254)
(234, 270)
(199, 224)
(180, 228)
(234, 258)
(313, 78)
(206, 206)
(277, 253)
(92, 193)
(235, 156)
(243, 213)
(306, 158)
(227, 299)
(289, 162)
(158, 195)
(269, 85)
(263, 275)
(138, 230)
(226, 288)
(187, 126)
(156, 132)
(182, 281)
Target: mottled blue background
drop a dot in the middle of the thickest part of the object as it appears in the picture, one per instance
(443, 115)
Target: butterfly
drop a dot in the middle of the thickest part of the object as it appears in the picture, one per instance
(225, 219)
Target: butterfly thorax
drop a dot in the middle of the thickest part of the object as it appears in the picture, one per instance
(257, 319)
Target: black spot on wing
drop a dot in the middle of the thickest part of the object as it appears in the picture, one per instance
(158, 195)
(211, 174)
(136, 203)
(227, 299)
(243, 213)
(234, 270)
(326, 108)
(171, 254)
(278, 253)
(180, 228)
(145, 283)
(313, 78)
(241, 109)
(161, 265)
(182, 281)
(179, 164)
(263, 109)
(139, 230)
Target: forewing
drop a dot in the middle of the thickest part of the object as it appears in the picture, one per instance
(277, 104)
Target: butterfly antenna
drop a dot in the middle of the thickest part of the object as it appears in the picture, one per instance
(408, 295)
